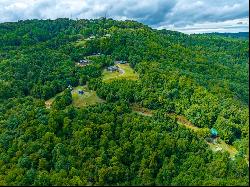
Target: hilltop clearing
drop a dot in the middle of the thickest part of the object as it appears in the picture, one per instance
(124, 72)
(81, 97)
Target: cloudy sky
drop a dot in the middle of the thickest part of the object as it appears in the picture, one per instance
(188, 16)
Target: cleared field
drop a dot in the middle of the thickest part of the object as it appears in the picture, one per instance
(88, 98)
(126, 73)
(222, 146)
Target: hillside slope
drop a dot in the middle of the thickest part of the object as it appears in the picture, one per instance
(201, 77)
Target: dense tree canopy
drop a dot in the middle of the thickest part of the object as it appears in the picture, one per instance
(202, 77)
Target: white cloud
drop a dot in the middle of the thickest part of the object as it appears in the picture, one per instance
(177, 14)
(236, 25)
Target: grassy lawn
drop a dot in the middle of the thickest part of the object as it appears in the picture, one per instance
(88, 98)
(222, 146)
(129, 73)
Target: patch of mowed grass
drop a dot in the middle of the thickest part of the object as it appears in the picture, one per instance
(222, 146)
(107, 76)
(128, 74)
(88, 98)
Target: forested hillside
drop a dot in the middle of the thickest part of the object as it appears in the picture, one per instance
(243, 35)
(201, 77)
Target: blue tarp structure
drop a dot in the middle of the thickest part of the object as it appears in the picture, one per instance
(81, 92)
(214, 132)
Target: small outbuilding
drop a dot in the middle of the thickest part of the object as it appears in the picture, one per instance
(84, 61)
(120, 62)
(123, 62)
(80, 92)
(70, 87)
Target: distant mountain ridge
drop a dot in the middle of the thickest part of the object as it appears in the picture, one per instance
(232, 35)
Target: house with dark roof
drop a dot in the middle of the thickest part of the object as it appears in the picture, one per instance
(112, 68)
(120, 62)
(84, 61)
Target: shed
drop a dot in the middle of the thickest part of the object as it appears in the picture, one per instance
(120, 62)
(123, 62)
(81, 92)
(83, 61)
(70, 87)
